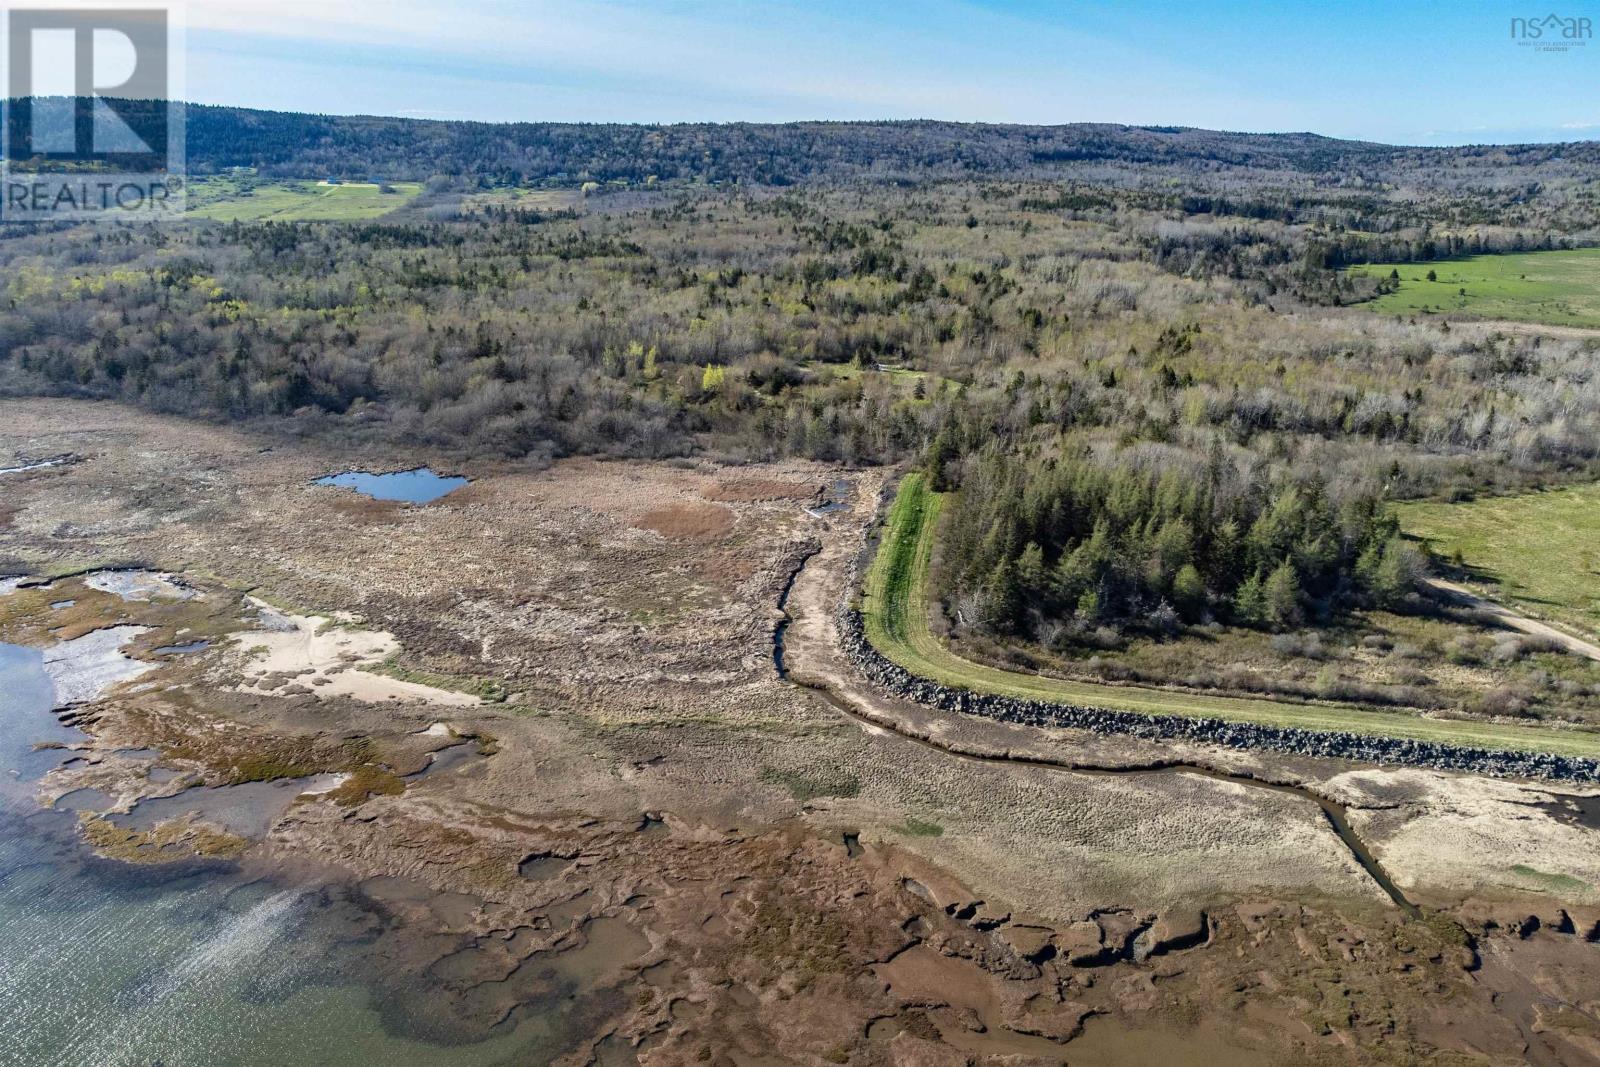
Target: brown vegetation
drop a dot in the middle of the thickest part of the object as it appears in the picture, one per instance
(689, 522)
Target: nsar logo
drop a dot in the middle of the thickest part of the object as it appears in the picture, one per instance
(1552, 33)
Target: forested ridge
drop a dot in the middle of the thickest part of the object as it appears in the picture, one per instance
(300, 145)
(759, 153)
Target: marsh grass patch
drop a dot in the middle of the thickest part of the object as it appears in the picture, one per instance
(809, 785)
(1548, 881)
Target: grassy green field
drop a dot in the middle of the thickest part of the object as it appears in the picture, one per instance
(1541, 548)
(257, 200)
(851, 371)
(896, 610)
(1562, 288)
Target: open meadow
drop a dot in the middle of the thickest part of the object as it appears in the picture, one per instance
(252, 200)
(1539, 549)
(1561, 287)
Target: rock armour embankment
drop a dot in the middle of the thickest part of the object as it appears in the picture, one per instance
(897, 681)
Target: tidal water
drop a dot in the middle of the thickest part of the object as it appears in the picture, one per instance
(192, 965)
(837, 498)
(417, 486)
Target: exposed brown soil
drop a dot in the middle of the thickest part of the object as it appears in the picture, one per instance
(746, 490)
(693, 522)
(720, 865)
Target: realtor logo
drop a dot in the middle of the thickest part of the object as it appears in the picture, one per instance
(94, 122)
(1552, 33)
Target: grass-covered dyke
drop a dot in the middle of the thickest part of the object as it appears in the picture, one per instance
(889, 640)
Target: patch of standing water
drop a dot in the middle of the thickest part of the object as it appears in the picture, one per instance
(139, 585)
(419, 486)
(38, 465)
(84, 800)
(247, 810)
(448, 758)
(837, 498)
(543, 865)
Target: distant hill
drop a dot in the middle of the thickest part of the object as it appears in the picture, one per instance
(400, 148)
(288, 144)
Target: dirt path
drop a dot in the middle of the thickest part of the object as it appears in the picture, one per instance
(1463, 595)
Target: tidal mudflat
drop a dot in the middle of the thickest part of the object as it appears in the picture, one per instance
(596, 825)
(193, 964)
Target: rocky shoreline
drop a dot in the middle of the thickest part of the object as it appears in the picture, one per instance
(896, 681)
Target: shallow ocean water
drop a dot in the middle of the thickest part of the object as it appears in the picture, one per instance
(186, 965)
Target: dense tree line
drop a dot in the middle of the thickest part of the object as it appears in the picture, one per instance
(1154, 542)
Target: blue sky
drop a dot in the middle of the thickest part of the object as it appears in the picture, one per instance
(1413, 71)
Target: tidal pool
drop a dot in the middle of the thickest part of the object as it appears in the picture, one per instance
(248, 809)
(418, 486)
(837, 498)
(448, 758)
(193, 964)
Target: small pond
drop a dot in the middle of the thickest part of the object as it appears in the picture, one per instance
(837, 498)
(418, 486)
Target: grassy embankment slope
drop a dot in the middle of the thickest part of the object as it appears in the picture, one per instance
(1539, 548)
(1562, 288)
(896, 610)
(252, 200)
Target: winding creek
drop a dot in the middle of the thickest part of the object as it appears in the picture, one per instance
(1336, 814)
